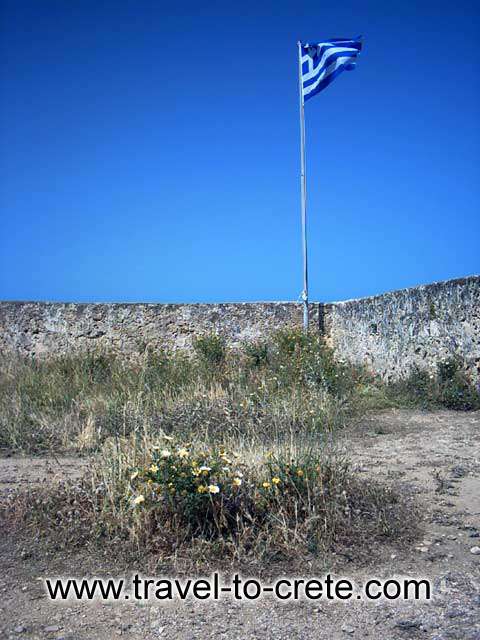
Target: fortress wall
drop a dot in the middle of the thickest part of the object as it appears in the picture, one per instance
(42, 328)
(419, 326)
(389, 333)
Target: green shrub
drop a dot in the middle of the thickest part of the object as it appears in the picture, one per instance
(417, 389)
(257, 353)
(450, 387)
(449, 368)
(210, 349)
(290, 342)
(304, 359)
(96, 368)
(456, 391)
(457, 394)
(163, 371)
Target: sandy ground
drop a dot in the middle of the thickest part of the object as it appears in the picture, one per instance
(435, 456)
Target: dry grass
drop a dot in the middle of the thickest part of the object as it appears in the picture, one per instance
(209, 503)
(267, 390)
(277, 405)
(76, 402)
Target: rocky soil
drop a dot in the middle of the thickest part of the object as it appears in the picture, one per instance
(434, 456)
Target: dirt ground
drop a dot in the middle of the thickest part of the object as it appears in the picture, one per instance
(435, 456)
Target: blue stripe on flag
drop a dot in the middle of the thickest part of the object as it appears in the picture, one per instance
(329, 79)
(329, 60)
(329, 65)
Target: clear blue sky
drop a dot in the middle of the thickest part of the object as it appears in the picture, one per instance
(152, 154)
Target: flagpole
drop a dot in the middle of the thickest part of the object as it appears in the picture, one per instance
(303, 182)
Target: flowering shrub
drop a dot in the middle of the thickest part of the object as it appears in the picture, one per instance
(211, 493)
(203, 489)
(206, 500)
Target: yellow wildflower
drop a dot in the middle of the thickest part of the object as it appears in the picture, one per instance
(237, 482)
(139, 499)
(182, 453)
(202, 488)
(276, 480)
(300, 472)
(153, 468)
(213, 488)
(266, 485)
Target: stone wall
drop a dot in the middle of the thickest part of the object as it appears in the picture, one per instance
(389, 333)
(39, 328)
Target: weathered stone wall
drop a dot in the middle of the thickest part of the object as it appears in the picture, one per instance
(38, 328)
(391, 332)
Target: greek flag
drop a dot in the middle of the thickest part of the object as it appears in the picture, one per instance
(321, 63)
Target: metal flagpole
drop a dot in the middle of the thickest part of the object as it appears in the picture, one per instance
(303, 180)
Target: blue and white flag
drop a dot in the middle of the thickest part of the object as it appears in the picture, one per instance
(321, 63)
